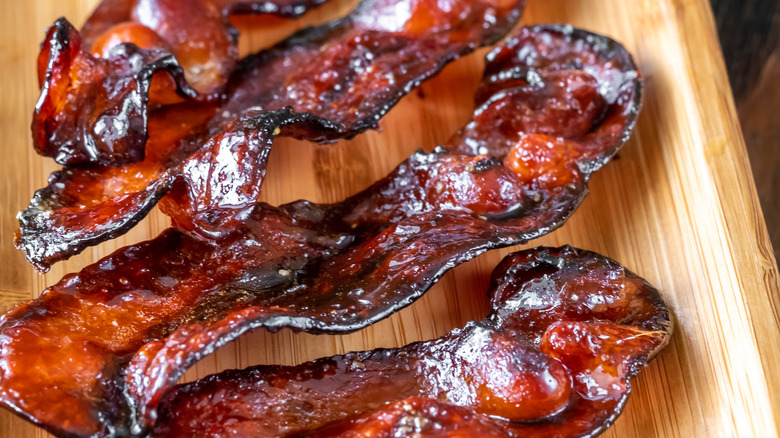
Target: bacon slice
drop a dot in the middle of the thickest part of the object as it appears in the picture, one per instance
(349, 73)
(132, 323)
(96, 88)
(567, 331)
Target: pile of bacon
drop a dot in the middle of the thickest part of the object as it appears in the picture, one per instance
(148, 105)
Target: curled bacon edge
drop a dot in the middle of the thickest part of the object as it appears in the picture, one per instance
(323, 268)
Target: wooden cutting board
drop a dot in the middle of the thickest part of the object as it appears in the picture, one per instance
(678, 207)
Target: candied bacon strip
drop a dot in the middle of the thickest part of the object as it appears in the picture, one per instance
(563, 102)
(150, 310)
(350, 72)
(95, 89)
(568, 329)
(383, 49)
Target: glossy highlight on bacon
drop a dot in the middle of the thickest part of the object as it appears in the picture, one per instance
(93, 108)
(96, 86)
(567, 331)
(347, 73)
(133, 322)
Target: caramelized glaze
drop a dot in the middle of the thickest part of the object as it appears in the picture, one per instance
(132, 323)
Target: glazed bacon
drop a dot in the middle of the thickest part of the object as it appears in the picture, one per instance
(568, 329)
(96, 89)
(347, 73)
(132, 323)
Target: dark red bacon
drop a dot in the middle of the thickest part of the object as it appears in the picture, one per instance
(131, 324)
(567, 331)
(347, 73)
(96, 86)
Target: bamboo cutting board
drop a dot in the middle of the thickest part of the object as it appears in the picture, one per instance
(678, 207)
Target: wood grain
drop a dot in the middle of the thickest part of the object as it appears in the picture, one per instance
(750, 37)
(679, 207)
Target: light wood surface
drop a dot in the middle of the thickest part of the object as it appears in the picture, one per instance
(678, 207)
(750, 37)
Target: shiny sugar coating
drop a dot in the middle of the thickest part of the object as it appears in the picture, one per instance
(135, 321)
(567, 331)
(97, 85)
(346, 74)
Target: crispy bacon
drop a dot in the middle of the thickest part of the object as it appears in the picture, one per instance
(96, 88)
(567, 331)
(133, 322)
(349, 73)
